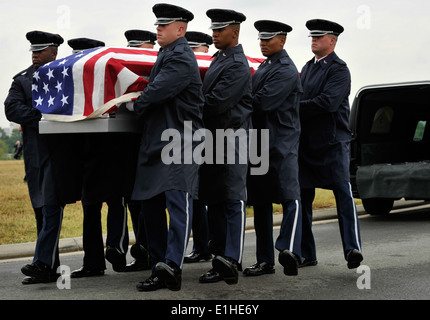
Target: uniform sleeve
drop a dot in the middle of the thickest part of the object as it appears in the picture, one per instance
(16, 108)
(228, 90)
(275, 90)
(336, 87)
(174, 76)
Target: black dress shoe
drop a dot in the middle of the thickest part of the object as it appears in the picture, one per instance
(137, 265)
(289, 261)
(83, 272)
(38, 271)
(30, 280)
(170, 274)
(151, 284)
(210, 277)
(196, 257)
(354, 257)
(139, 252)
(117, 259)
(227, 269)
(308, 263)
(141, 261)
(259, 269)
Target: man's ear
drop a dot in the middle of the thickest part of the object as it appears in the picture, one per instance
(54, 53)
(283, 41)
(182, 29)
(235, 33)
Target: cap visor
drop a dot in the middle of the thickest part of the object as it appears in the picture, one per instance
(35, 48)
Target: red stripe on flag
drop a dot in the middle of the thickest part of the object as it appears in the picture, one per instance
(88, 73)
(114, 67)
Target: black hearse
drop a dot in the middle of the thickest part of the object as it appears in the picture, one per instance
(390, 148)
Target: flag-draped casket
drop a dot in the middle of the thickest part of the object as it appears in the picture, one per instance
(100, 155)
(95, 81)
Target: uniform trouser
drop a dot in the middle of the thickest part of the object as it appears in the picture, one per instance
(290, 235)
(227, 226)
(117, 231)
(168, 243)
(135, 208)
(347, 218)
(38, 214)
(290, 232)
(200, 228)
(49, 236)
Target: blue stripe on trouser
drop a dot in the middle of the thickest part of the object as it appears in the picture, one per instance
(290, 234)
(117, 229)
(235, 229)
(180, 207)
(168, 243)
(347, 217)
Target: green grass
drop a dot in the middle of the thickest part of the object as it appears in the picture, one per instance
(17, 222)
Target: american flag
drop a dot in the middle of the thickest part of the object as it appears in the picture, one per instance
(93, 80)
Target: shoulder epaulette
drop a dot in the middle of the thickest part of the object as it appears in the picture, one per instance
(22, 73)
(284, 60)
(340, 61)
(179, 48)
(238, 57)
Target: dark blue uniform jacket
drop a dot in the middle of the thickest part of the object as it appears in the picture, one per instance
(324, 113)
(19, 109)
(173, 96)
(228, 105)
(276, 90)
(53, 177)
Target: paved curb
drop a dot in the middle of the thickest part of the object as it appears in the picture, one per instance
(23, 250)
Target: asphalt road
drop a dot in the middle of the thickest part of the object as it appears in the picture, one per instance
(396, 266)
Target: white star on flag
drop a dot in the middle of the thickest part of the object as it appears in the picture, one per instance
(64, 100)
(58, 86)
(46, 87)
(50, 74)
(39, 101)
(63, 62)
(64, 72)
(36, 75)
(34, 87)
(51, 101)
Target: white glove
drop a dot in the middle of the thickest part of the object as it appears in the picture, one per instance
(130, 105)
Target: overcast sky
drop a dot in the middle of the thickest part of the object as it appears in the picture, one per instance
(384, 40)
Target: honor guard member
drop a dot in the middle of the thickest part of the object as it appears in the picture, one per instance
(276, 91)
(228, 106)
(79, 44)
(324, 153)
(38, 165)
(102, 180)
(199, 42)
(140, 38)
(172, 99)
